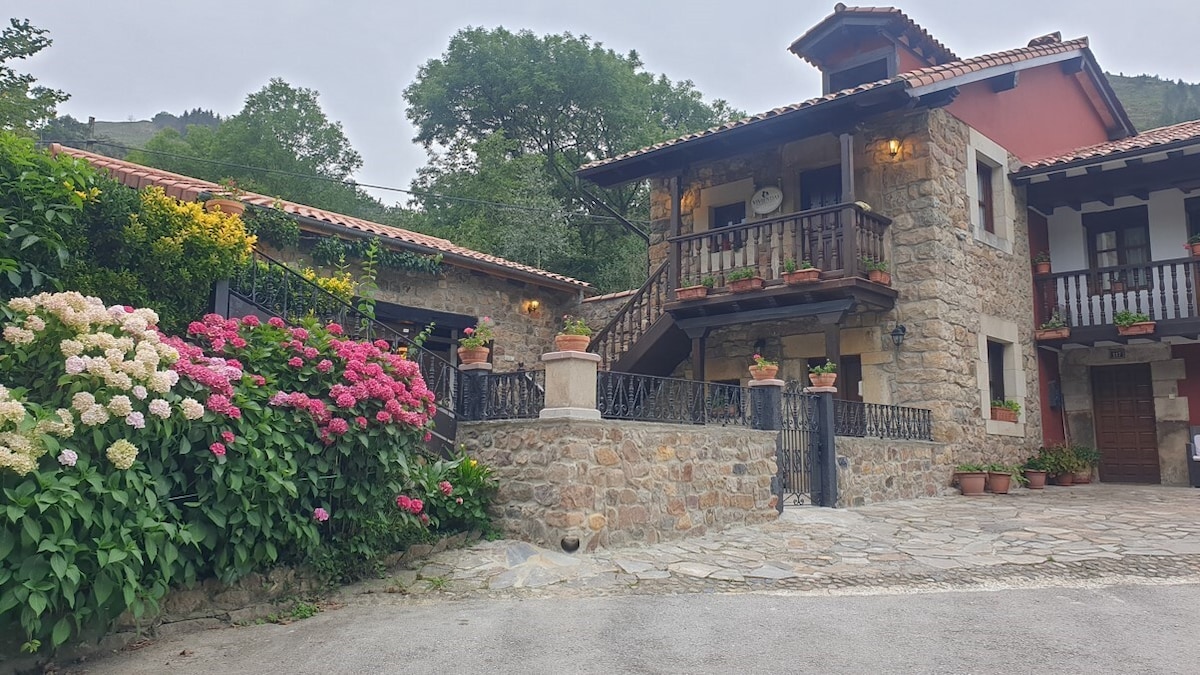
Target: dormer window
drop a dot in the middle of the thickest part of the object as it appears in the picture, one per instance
(851, 77)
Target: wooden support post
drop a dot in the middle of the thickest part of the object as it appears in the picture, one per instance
(673, 247)
(847, 151)
(699, 344)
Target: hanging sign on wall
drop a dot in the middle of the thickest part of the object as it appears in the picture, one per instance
(766, 200)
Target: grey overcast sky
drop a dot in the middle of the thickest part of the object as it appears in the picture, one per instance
(129, 59)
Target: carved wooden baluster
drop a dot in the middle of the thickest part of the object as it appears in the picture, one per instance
(1077, 294)
(1161, 283)
(1175, 292)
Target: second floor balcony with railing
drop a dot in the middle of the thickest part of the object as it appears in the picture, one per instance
(838, 242)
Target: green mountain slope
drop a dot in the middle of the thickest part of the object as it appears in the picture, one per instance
(1154, 102)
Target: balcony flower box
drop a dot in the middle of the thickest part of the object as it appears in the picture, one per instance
(691, 293)
(1137, 328)
(801, 277)
(1004, 414)
(746, 285)
(880, 277)
(1043, 334)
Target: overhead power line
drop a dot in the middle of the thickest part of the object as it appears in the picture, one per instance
(356, 184)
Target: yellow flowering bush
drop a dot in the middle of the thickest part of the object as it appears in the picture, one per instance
(339, 284)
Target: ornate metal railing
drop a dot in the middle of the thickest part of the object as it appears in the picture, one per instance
(645, 398)
(266, 286)
(834, 239)
(518, 395)
(873, 420)
(632, 321)
(1165, 289)
(799, 438)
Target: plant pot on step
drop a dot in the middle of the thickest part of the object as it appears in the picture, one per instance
(1052, 333)
(1037, 479)
(572, 343)
(822, 379)
(880, 277)
(971, 483)
(1082, 477)
(473, 355)
(1064, 479)
(999, 482)
(691, 293)
(224, 205)
(764, 372)
(1004, 414)
(1139, 328)
(801, 276)
(746, 285)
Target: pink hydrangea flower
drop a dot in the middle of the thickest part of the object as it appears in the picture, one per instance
(238, 343)
(338, 426)
(361, 422)
(228, 437)
(310, 352)
(404, 502)
(458, 501)
(275, 322)
(320, 515)
(258, 380)
(136, 420)
(334, 329)
(416, 506)
(68, 458)
(446, 487)
(299, 334)
(250, 320)
(295, 362)
(217, 449)
(324, 366)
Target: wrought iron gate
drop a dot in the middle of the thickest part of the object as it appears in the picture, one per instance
(804, 451)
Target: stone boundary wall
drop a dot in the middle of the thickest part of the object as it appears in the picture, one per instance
(612, 483)
(881, 470)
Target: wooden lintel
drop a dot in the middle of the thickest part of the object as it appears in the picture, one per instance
(1095, 169)
(1133, 161)
(1174, 154)
(1056, 176)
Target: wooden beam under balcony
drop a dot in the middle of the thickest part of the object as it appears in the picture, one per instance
(1137, 179)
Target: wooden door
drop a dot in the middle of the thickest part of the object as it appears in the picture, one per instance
(821, 187)
(1126, 433)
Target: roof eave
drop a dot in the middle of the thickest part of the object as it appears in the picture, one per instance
(1031, 172)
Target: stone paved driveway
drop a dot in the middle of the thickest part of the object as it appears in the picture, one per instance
(1059, 536)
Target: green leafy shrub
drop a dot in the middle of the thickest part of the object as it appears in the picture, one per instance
(459, 492)
(272, 226)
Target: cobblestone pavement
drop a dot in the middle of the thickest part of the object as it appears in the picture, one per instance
(1074, 536)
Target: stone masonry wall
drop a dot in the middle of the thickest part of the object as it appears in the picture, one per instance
(612, 483)
(878, 470)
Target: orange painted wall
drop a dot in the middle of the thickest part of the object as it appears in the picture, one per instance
(1047, 114)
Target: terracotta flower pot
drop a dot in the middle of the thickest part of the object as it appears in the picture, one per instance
(764, 372)
(971, 484)
(572, 343)
(801, 276)
(822, 379)
(1082, 477)
(1052, 333)
(1037, 479)
(1064, 479)
(1139, 328)
(880, 277)
(1195, 249)
(473, 355)
(1041, 268)
(1004, 415)
(999, 482)
(691, 293)
(225, 205)
(746, 285)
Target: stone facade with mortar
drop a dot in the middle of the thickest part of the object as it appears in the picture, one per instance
(879, 470)
(611, 483)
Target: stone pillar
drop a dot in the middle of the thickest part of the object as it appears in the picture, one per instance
(571, 385)
(766, 404)
(473, 391)
(824, 476)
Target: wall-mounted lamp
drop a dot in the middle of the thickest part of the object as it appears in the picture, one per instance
(530, 306)
(898, 335)
(893, 146)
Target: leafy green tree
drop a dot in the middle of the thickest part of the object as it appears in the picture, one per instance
(23, 104)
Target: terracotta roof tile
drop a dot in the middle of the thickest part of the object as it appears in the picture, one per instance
(188, 188)
(1176, 133)
(913, 78)
(841, 10)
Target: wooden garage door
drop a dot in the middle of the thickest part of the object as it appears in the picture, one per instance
(1125, 431)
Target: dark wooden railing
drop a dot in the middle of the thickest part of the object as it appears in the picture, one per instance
(834, 239)
(632, 321)
(1162, 290)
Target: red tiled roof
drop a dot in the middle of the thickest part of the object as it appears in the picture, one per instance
(842, 11)
(187, 188)
(1176, 133)
(911, 79)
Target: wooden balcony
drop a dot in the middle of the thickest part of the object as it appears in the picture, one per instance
(1089, 300)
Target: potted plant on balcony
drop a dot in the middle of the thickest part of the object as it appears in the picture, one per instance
(801, 272)
(744, 280)
(971, 479)
(1041, 263)
(1133, 323)
(763, 368)
(1193, 244)
(823, 376)
(574, 336)
(1007, 410)
(696, 291)
(1055, 328)
(228, 199)
(877, 271)
(472, 348)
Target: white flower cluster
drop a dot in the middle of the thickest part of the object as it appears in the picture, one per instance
(20, 450)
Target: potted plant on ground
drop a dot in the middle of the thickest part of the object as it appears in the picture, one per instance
(744, 280)
(472, 348)
(801, 272)
(696, 291)
(574, 336)
(1035, 472)
(1193, 244)
(824, 375)
(1007, 410)
(1041, 263)
(228, 199)
(971, 479)
(1087, 458)
(1133, 323)
(1055, 328)
(877, 271)
(763, 368)
(1000, 477)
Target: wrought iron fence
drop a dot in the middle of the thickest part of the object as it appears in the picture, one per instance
(518, 395)
(873, 420)
(645, 398)
(799, 439)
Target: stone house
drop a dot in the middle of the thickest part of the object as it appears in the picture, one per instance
(526, 303)
(910, 162)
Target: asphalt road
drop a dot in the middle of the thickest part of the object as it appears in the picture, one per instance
(1130, 629)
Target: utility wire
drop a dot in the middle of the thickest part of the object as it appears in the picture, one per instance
(356, 184)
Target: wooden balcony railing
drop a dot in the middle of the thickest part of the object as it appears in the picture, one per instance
(632, 321)
(1162, 290)
(834, 239)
